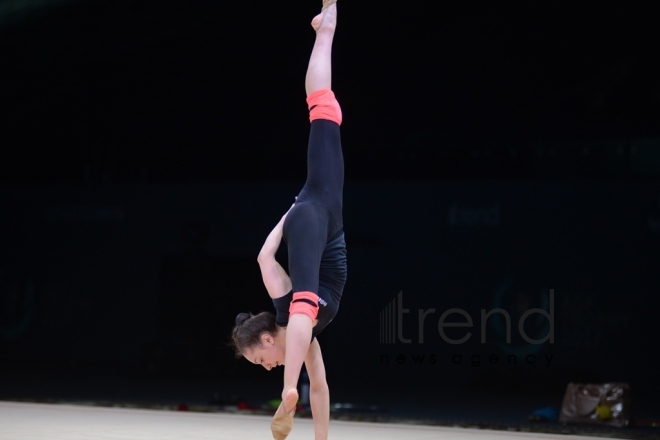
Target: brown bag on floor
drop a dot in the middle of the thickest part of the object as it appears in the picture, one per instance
(601, 404)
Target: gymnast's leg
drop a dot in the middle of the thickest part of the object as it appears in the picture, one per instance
(318, 215)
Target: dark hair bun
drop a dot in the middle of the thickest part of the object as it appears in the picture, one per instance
(241, 318)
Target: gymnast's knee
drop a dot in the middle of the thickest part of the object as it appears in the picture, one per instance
(306, 303)
(322, 104)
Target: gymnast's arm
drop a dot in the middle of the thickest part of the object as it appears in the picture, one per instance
(319, 394)
(274, 276)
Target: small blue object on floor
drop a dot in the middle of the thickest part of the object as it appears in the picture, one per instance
(545, 413)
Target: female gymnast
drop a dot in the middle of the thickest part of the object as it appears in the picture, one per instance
(307, 299)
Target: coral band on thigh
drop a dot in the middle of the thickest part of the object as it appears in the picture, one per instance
(322, 104)
(306, 303)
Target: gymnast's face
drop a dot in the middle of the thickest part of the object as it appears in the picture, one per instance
(269, 354)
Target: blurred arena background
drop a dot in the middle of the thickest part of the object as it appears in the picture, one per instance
(492, 156)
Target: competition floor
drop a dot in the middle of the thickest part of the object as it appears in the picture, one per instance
(33, 421)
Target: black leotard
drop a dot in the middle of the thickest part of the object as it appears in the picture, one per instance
(314, 228)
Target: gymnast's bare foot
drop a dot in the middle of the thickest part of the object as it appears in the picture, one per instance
(283, 419)
(327, 19)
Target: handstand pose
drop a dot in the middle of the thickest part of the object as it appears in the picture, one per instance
(307, 299)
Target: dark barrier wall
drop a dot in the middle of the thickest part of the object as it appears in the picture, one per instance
(154, 275)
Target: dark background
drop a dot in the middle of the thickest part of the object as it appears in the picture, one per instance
(492, 154)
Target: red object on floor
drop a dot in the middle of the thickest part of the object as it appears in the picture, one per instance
(245, 405)
(182, 407)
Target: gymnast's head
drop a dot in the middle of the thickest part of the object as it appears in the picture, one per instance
(259, 339)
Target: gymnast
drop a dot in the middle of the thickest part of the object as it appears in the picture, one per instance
(307, 299)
